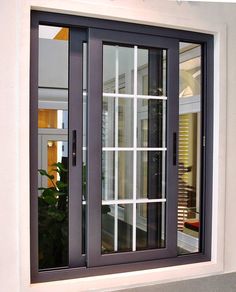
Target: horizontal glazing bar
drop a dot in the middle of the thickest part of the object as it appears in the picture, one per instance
(137, 201)
(132, 149)
(121, 95)
(152, 97)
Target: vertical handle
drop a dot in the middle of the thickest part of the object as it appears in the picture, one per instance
(174, 148)
(74, 148)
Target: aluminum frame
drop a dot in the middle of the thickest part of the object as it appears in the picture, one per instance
(206, 41)
(97, 38)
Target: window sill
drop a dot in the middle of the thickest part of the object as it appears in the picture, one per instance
(65, 274)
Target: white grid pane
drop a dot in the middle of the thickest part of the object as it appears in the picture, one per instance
(115, 94)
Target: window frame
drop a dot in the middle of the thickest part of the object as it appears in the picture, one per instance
(98, 38)
(206, 41)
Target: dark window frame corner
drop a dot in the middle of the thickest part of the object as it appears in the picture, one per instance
(97, 29)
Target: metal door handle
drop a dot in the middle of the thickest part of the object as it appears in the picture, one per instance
(174, 148)
(74, 147)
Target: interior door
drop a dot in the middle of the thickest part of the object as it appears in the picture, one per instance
(132, 152)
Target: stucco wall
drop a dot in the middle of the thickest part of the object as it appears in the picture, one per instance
(14, 126)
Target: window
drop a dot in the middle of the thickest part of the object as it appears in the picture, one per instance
(121, 146)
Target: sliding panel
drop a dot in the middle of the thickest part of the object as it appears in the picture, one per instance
(59, 157)
(53, 146)
(132, 173)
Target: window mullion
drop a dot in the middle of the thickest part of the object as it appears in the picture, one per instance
(75, 139)
(94, 134)
(172, 131)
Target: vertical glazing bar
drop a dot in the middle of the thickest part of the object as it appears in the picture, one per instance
(135, 147)
(116, 145)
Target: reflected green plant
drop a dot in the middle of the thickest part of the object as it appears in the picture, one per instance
(53, 219)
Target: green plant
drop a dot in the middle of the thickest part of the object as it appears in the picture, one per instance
(53, 219)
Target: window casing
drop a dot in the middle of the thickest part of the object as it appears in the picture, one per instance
(85, 257)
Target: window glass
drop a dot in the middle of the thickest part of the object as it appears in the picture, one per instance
(150, 62)
(53, 147)
(133, 139)
(150, 226)
(189, 199)
(127, 188)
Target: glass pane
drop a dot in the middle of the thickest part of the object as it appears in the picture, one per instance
(108, 214)
(151, 174)
(125, 122)
(150, 226)
(84, 165)
(84, 94)
(120, 134)
(190, 70)
(109, 68)
(53, 204)
(108, 122)
(53, 147)
(151, 123)
(126, 70)
(83, 229)
(189, 198)
(151, 72)
(84, 198)
(53, 77)
(108, 175)
(117, 228)
(52, 118)
(117, 177)
(125, 227)
(125, 175)
(118, 69)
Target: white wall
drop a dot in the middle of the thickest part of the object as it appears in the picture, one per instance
(9, 212)
(14, 126)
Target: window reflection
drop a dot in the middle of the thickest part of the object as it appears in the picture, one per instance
(133, 140)
(189, 148)
(53, 147)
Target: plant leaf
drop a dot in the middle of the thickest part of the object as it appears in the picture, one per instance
(61, 185)
(60, 166)
(49, 192)
(50, 200)
(57, 215)
(43, 172)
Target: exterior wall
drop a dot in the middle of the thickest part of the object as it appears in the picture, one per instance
(14, 125)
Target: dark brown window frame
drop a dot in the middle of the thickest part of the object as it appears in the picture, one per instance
(76, 258)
